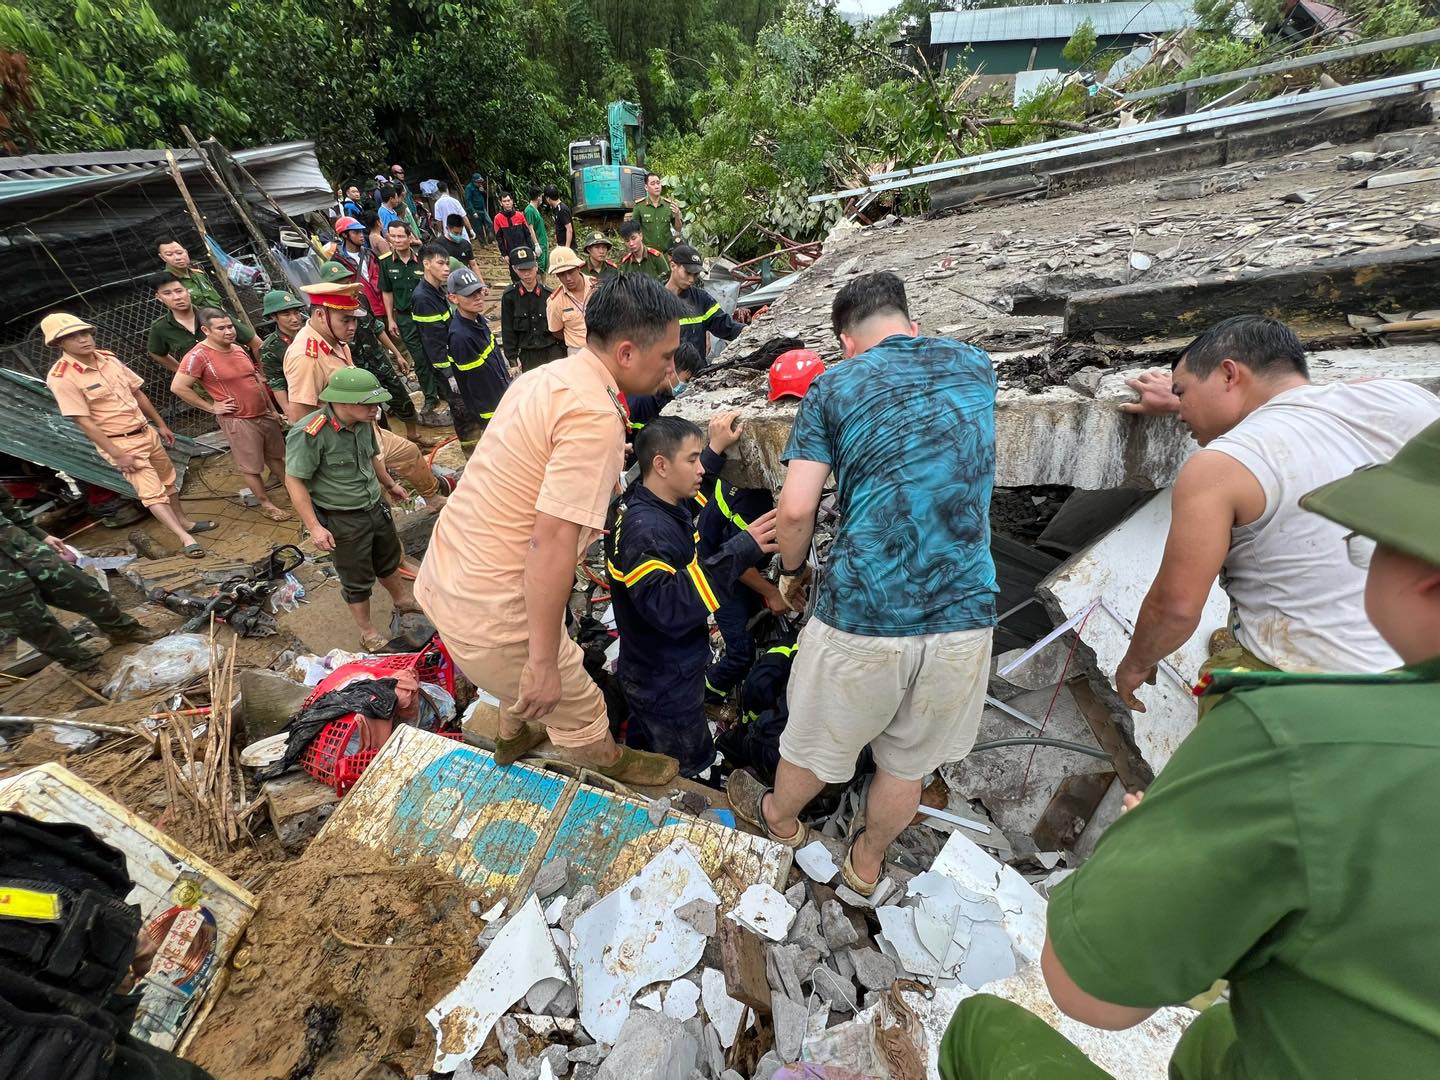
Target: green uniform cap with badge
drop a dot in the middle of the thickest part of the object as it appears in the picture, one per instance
(278, 300)
(355, 386)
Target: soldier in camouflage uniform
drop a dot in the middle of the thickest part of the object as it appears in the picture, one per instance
(369, 351)
(32, 574)
(289, 313)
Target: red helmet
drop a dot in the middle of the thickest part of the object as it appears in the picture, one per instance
(792, 373)
(345, 224)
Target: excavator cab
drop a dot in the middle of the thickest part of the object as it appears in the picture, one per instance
(607, 175)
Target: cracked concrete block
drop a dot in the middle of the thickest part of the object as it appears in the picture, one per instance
(873, 969)
(650, 1046)
(780, 971)
(805, 960)
(835, 990)
(790, 1020)
(551, 997)
(588, 1055)
(584, 1072)
(551, 878)
(767, 1066)
(584, 899)
(841, 962)
(507, 1035)
(714, 1052)
(529, 1069)
(558, 1059)
(796, 894)
(805, 930)
(700, 914)
(839, 931)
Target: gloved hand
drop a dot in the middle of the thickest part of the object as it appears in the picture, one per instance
(795, 588)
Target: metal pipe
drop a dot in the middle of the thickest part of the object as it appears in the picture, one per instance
(1044, 740)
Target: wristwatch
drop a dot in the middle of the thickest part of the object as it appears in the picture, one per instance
(792, 573)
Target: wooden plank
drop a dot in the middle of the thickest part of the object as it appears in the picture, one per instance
(1326, 289)
(298, 805)
(742, 956)
(1413, 176)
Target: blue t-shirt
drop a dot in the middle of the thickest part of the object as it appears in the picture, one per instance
(909, 429)
(387, 216)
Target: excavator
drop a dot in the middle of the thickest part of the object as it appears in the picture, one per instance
(607, 175)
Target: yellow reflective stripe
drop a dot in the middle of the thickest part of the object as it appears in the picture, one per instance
(724, 507)
(486, 415)
(29, 904)
(444, 316)
(783, 650)
(636, 427)
(649, 566)
(473, 364)
(441, 363)
(700, 498)
(691, 320)
(702, 585)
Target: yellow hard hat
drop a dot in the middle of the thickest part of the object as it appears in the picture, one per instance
(58, 323)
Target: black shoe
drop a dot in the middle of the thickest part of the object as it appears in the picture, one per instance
(141, 635)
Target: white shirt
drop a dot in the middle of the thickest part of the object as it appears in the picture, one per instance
(446, 205)
(1296, 601)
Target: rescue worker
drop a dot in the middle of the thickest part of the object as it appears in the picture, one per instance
(658, 217)
(706, 315)
(178, 331)
(288, 311)
(524, 321)
(565, 309)
(638, 256)
(1297, 893)
(663, 593)
(512, 229)
(105, 399)
(480, 368)
(335, 476)
(400, 271)
(352, 249)
(377, 352)
(37, 569)
(598, 264)
(645, 407)
(431, 309)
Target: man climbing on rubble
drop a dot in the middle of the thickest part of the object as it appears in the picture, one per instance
(335, 476)
(37, 569)
(705, 316)
(500, 568)
(897, 653)
(105, 399)
(1267, 435)
(1271, 851)
(664, 593)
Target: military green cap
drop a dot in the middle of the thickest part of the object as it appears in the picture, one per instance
(278, 300)
(597, 238)
(355, 386)
(334, 272)
(1396, 504)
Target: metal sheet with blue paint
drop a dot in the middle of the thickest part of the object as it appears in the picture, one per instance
(493, 826)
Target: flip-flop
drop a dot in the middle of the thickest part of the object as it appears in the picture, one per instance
(746, 793)
(193, 551)
(202, 526)
(854, 880)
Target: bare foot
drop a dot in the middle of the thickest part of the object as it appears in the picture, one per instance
(274, 513)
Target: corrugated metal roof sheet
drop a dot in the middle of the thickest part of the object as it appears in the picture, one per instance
(32, 429)
(1042, 22)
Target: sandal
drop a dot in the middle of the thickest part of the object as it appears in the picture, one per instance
(373, 642)
(746, 793)
(202, 526)
(193, 551)
(853, 880)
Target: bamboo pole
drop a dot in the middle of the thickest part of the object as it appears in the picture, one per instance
(237, 207)
(237, 309)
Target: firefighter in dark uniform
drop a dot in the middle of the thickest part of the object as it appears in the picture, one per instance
(430, 307)
(706, 315)
(664, 593)
(375, 351)
(475, 356)
(35, 571)
(524, 324)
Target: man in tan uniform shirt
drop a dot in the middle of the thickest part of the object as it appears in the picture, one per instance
(104, 398)
(501, 564)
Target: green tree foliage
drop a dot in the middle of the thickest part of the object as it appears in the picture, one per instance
(1080, 49)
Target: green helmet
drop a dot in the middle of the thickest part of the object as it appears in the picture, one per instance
(1396, 504)
(355, 386)
(335, 272)
(278, 300)
(597, 238)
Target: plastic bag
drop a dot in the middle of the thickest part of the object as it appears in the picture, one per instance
(169, 664)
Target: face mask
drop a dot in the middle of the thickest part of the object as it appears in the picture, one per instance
(679, 388)
(456, 235)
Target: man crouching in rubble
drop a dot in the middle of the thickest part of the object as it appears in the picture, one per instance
(1269, 435)
(1273, 850)
(897, 654)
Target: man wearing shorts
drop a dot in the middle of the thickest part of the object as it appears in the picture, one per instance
(335, 474)
(240, 403)
(897, 653)
(104, 398)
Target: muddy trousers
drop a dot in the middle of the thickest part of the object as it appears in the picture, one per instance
(990, 1038)
(733, 618)
(667, 716)
(43, 579)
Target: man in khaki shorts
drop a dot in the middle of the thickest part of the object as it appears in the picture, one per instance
(104, 398)
(500, 567)
(897, 653)
(240, 402)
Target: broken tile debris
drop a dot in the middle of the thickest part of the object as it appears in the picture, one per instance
(815, 859)
(764, 911)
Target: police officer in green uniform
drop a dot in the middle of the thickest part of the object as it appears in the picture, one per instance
(639, 257)
(289, 312)
(400, 272)
(1276, 849)
(334, 474)
(375, 351)
(658, 217)
(35, 571)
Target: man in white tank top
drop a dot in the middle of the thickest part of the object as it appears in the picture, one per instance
(1268, 436)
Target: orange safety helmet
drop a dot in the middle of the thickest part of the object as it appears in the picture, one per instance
(346, 224)
(792, 373)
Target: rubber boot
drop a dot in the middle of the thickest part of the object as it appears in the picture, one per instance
(509, 750)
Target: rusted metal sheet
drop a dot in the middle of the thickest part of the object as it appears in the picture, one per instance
(167, 877)
(493, 826)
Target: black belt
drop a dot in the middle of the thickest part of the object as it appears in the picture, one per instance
(127, 434)
(357, 510)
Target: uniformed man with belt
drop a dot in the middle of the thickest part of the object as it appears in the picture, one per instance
(431, 308)
(105, 399)
(35, 570)
(335, 476)
(400, 272)
(524, 326)
(706, 316)
(288, 311)
(657, 216)
(479, 365)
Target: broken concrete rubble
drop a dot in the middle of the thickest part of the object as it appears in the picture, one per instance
(650, 1046)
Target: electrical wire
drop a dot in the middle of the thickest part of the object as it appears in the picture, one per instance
(1043, 740)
